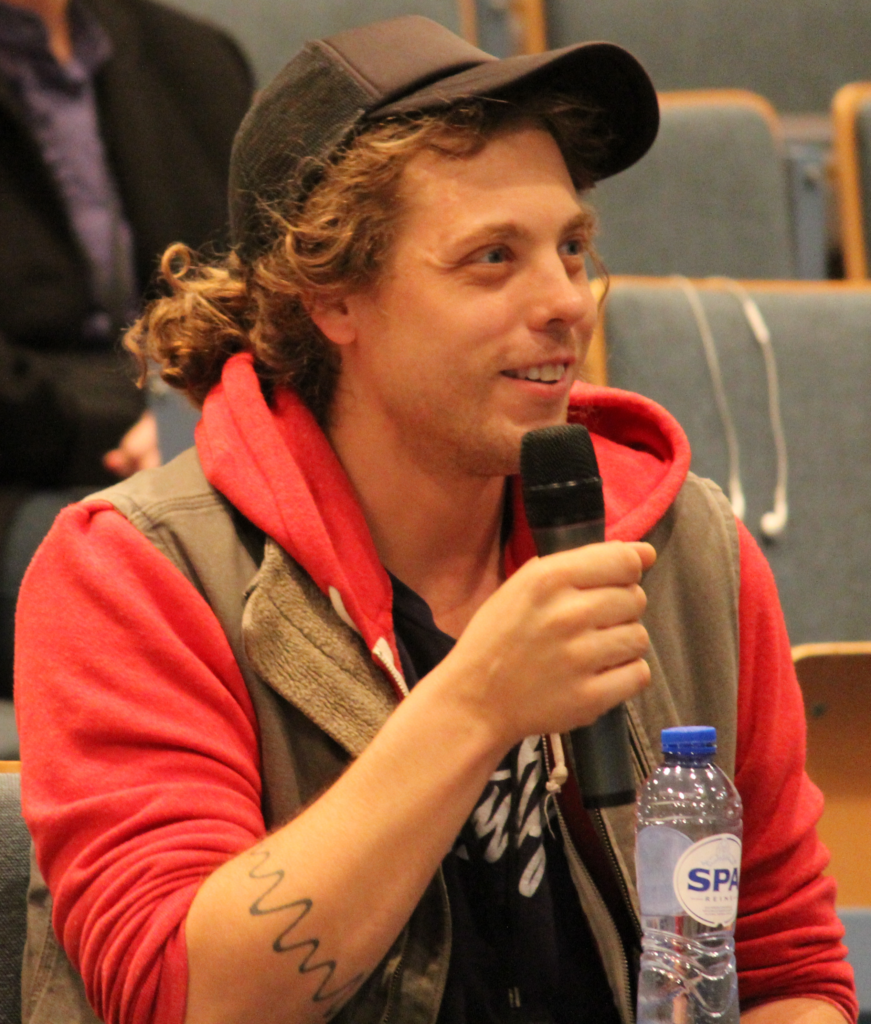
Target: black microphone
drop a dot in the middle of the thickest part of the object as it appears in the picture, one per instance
(562, 495)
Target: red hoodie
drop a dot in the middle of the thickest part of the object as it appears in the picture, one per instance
(140, 759)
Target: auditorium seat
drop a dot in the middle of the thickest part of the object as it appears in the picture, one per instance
(176, 418)
(851, 114)
(650, 341)
(836, 682)
(796, 54)
(711, 196)
(14, 874)
(8, 731)
(271, 31)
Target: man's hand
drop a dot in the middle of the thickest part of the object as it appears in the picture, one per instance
(558, 644)
(136, 450)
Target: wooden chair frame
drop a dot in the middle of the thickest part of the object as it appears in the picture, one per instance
(596, 364)
(726, 97)
(848, 177)
(468, 20)
(529, 16)
(528, 22)
(830, 672)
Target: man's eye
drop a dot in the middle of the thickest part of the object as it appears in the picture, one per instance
(573, 247)
(493, 256)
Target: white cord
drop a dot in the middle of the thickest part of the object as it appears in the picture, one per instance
(736, 491)
(772, 523)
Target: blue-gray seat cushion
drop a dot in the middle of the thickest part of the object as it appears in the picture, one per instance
(271, 31)
(857, 921)
(797, 53)
(14, 874)
(822, 342)
(711, 197)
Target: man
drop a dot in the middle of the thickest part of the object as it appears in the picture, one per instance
(301, 695)
(117, 118)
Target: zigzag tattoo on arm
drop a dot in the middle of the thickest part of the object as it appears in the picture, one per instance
(336, 997)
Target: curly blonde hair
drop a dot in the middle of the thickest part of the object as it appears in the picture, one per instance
(334, 242)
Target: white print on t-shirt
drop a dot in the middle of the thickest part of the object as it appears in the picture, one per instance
(490, 819)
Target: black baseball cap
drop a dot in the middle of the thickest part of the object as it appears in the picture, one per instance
(333, 87)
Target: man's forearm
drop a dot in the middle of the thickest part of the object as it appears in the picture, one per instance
(287, 930)
(794, 1011)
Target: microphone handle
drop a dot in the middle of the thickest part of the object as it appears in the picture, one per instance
(600, 754)
(602, 760)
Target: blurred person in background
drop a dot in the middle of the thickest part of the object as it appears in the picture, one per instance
(116, 120)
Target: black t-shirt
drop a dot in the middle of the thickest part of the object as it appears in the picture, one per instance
(522, 950)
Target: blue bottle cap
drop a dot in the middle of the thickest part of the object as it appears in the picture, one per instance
(690, 739)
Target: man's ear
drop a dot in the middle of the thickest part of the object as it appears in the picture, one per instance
(334, 320)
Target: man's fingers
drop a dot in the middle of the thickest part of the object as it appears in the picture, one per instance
(646, 552)
(600, 650)
(613, 563)
(614, 686)
(604, 606)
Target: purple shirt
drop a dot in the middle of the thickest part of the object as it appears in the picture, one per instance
(59, 103)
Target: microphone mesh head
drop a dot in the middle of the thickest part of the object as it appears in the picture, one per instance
(554, 455)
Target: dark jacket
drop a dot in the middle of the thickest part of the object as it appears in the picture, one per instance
(170, 100)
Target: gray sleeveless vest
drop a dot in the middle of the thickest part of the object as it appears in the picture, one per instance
(320, 699)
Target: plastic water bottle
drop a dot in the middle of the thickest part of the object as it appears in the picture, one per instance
(688, 862)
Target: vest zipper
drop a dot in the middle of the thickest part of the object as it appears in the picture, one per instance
(382, 652)
(598, 820)
(397, 970)
(391, 987)
(600, 827)
(641, 763)
(575, 858)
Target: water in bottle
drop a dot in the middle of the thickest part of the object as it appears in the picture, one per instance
(688, 862)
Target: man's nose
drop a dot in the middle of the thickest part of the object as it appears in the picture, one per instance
(560, 299)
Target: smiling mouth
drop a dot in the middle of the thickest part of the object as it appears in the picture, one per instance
(545, 373)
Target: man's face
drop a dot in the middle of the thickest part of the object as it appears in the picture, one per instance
(482, 320)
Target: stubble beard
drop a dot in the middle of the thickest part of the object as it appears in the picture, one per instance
(467, 451)
(466, 445)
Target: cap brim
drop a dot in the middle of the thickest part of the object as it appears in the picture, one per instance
(602, 74)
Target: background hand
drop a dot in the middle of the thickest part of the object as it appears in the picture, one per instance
(137, 449)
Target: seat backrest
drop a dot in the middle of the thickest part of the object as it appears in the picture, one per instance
(505, 29)
(836, 683)
(271, 31)
(176, 419)
(8, 730)
(821, 339)
(795, 52)
(14, 875)
(857, 922)
(711, 196)
(851, 116)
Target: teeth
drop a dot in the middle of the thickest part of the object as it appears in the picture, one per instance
(552, 371)
(548, 373)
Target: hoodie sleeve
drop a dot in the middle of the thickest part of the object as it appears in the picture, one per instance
(139, 755)
(788, 937)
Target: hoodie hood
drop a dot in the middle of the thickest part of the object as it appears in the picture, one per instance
(276, 466)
